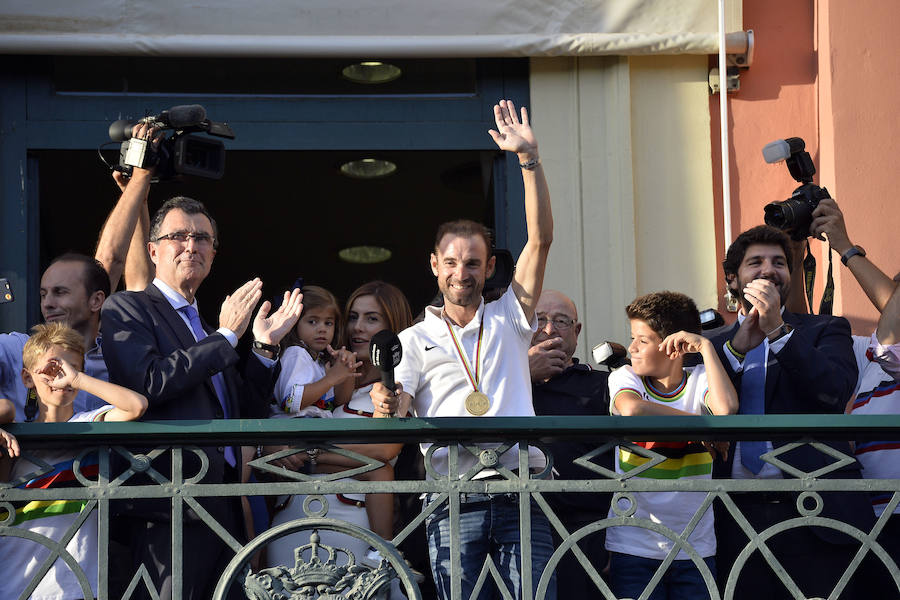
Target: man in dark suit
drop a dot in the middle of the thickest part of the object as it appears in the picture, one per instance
(156, 343)
(784, 363)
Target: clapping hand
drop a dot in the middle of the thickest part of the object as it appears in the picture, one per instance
(238, 307)
(343, 365)
(269, 329)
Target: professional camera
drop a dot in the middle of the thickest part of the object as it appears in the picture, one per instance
(180, 153)
(794, 215)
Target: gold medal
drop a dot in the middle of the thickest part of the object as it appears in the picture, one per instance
(477, 403)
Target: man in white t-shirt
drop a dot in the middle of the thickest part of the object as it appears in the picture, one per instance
(471, 359)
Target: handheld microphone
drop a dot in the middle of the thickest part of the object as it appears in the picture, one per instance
(385, 352)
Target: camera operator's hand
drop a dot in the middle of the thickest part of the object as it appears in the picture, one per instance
(829, 220)
(153, 135)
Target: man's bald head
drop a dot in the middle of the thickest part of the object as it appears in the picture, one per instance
(557, 317)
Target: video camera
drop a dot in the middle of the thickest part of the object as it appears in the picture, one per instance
(181, 153)
(794, 215)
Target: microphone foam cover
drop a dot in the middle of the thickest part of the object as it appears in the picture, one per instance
(385, 350)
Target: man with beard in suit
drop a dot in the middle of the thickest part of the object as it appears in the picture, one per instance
(784, 363)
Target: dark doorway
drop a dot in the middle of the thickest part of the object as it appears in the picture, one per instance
(284, 214)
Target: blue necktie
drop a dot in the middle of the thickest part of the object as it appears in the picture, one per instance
(217, 380)
(753, 402)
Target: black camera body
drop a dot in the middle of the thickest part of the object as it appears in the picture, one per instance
(180, 153)
(794, 215)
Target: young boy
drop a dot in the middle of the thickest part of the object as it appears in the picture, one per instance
(52, 360)
(664, 327)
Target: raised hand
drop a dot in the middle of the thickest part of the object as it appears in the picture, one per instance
(512, 134)
(238, 307)
(269, 329)
(828, 220)
(59, 374)
(681, 343)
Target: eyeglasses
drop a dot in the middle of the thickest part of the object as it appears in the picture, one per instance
(559, 323)
(201, 238)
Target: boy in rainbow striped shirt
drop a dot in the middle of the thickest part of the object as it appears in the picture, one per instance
(664, 327)
(52, 359)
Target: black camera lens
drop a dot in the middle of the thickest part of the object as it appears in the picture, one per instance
(779, 215)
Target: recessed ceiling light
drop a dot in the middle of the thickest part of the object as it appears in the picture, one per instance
(365, 255)
(371, 71)
(368, 168)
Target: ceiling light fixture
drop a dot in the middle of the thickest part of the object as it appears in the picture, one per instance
(368, 168)
(365, 255)
(371, 72)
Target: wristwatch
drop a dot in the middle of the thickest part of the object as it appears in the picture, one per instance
(853, 251)
(275, 349)
(780, 332)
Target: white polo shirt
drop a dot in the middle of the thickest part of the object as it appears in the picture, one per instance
(432, 373)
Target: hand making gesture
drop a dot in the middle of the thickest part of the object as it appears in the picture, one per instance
(511, 134)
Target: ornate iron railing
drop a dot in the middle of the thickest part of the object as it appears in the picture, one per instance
(334, 571)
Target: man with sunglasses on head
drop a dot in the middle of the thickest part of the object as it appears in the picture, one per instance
(157, 344)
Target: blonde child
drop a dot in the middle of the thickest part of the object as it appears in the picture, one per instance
(52, 359)
(315, 379)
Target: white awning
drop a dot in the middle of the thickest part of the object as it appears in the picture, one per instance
(353, 28)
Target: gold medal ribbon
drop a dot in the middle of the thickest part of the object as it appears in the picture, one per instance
(473, 379)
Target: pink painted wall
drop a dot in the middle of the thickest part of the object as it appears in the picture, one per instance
(859, 92)
(826, 71)
(777, 99)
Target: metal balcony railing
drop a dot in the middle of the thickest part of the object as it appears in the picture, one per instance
(319, 564)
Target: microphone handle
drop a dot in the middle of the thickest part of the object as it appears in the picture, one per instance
(387, 378)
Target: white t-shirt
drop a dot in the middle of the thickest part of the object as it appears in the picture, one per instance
(432, 372)
(298, 369)
(684, 460)
(22, 558)
(877, 393)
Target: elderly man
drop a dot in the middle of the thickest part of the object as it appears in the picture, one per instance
(470, 359)
(157, 344)
(561, 385)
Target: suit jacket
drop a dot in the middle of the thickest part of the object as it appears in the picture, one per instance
(814, 373)
(150, 349)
